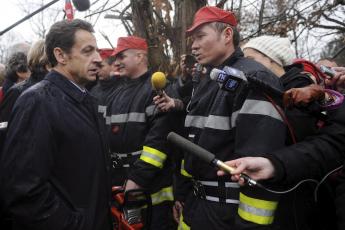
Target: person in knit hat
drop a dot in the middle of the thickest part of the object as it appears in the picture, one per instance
(272, 51)
(276, 54)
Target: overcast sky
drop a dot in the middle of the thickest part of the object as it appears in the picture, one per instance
(10, 13)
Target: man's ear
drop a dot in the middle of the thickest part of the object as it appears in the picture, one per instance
(60, 55)
(228, 34)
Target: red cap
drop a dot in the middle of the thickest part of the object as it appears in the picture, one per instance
(131, 42)
(311, 68)
(208, 14)
(105, 53)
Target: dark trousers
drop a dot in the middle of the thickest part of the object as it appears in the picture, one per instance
(162, 218)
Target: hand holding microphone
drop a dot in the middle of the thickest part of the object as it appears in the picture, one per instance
(158, 81)
(257, 168)
(207, 157)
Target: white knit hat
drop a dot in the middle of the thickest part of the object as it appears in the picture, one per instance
(277, 48)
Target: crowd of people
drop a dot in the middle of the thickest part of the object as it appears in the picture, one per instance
(77, 121)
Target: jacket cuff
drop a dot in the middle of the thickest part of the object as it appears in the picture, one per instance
(279, 169)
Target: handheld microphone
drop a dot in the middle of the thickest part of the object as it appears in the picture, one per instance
(81, 5)
(328, 71)
(231, 79)
(158, 81)
(205, 155)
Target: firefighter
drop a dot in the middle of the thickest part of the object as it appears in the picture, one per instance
(229, 124)
(138, 132)
(108, 80)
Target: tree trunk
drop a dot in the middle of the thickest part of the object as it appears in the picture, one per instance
(149, 24)
(261, 16)
(184, 14)
(144, 26)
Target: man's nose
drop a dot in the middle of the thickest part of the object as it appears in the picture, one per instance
(97, 57)
(195, 46)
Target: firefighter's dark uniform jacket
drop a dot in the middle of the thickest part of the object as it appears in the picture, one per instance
(104, 90)
(138, 134)
(53, 168)
(231, 125)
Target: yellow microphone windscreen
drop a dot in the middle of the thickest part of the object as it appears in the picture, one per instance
(158, 80)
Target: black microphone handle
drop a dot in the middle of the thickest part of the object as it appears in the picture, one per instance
(266, 87)
(206, 156)
(190, 147)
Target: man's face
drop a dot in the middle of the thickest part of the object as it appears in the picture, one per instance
(104, 71)
(209, 46)
(127, 63)
(115, 69)
(83, 60)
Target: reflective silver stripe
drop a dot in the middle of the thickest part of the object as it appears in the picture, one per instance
(218, 122)
(107, 120)
(152, 156)
(102, 108)
(212, 198)
(150, 110)
(215, 184)
(234, 116)
(212, 121)
(256, 211)
(126, 165)
(232, 185)
(191, 135)
(209, 183)
(128, 154)
(3, 125)
(128, 117)
(260, 108)
(195, 121)
(231, 201)
(216, 199)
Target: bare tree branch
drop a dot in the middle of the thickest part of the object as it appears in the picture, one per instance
(221, 4)
(332, 19)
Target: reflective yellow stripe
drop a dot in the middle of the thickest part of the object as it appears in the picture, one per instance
(153, 156)
(263, 220)
(165, 194)
(182, 225)
(264, 204)
(183, 170)
(256, 211)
